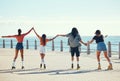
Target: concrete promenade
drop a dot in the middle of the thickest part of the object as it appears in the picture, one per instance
(58, 67)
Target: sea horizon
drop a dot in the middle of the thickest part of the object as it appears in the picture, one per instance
(115, 40)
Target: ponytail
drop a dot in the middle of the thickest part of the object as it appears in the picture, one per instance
(44, 39)
(19, 31)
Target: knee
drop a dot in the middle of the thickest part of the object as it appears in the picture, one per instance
(106, 56)
(98, 56)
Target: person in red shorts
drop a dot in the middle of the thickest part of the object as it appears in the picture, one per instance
(43, 41)
(19, 46)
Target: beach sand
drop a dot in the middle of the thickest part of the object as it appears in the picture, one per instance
(58, 67)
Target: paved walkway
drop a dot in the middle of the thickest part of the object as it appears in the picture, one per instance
(58, 67)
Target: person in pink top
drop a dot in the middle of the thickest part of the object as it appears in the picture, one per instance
(19, 46)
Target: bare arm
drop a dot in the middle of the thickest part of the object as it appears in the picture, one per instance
(28, 31)
(53, 38)
(9, 36)
(83, 43)
(36, 33)
(90, 41)
(105, 36)
(61, 35)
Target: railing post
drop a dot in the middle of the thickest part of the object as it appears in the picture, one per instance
(61, 46)
(119, 50)
(35, 45)
(53, 45)
(109, 49)
(3, 43)
(11, 44)
(27, 45)
(88, 48)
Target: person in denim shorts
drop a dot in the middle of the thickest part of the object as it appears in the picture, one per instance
(19, 46)
(101, 47)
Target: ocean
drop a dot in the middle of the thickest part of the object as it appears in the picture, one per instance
(113, 39)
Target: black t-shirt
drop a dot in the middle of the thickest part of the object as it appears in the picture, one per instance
(98, 38)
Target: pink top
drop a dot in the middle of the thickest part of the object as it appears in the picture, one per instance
(18, 37)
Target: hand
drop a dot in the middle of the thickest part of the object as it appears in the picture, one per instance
(58, 35)
(85, 44)
(3, 36)
(106, 36)
(32, 28)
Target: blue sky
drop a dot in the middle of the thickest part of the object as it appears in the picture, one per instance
(59, 16)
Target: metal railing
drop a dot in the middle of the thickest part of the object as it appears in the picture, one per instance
(62, 47)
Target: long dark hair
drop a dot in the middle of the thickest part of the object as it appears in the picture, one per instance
(44, 39)
(19, 32)
(74, 32)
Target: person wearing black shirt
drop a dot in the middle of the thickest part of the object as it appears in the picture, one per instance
(101, 47)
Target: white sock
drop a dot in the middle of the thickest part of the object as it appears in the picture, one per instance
(72, 62)
(22, 63)
(110, 63)
(42, 61)
(98, 62)
(13, 64)
(77, 62)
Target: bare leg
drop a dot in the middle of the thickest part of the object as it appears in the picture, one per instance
(78, 67)
(108, 59)
(77, 59)
(42, 57)
(16, 55)
(98, 56)
(98, 59)
(22, 56)
(72, 59)
(106, 56)
(42, 60)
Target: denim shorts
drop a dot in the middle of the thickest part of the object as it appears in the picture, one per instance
(101, 46)
(19, 46)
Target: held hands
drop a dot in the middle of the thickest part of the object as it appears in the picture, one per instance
(2, 36)
(58, 35)
(33, 29)
(86, 44)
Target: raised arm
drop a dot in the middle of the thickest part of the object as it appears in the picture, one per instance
(105, 36)
(53, 38)
(28, 31)
(36, 33)
(61, 35)
(9, 36)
